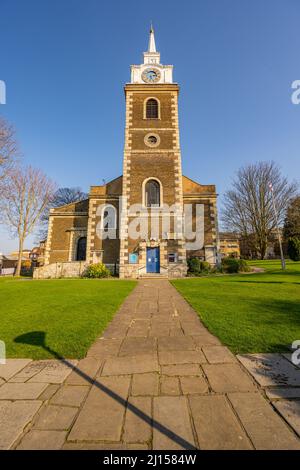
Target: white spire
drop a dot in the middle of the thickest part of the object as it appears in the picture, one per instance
(163, 73)
(151, 46)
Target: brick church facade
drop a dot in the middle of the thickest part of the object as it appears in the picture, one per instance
(137, 223)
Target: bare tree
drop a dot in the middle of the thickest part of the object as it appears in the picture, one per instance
(8, 149)
(27, 193)
(61, 197)
(65, 196)
(248, 205)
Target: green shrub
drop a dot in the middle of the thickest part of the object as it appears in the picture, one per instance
(205, 266)
(193, 265)
(294, 248)
(97, 270)
(243, 266)
(196, 266)
(234, 265)
(230, 265)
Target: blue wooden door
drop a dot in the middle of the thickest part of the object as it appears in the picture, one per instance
(153, 260)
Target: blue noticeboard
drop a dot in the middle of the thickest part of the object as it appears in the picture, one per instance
(133, 258)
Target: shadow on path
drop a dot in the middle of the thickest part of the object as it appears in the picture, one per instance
(38, 338)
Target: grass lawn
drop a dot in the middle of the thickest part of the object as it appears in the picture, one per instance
(249, 312)
(71, 314)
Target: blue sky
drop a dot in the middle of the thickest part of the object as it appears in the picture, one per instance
(65, 63)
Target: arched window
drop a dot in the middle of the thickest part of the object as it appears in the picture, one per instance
(152, 109)
(152, 193)
(109, 219)
(81, 249)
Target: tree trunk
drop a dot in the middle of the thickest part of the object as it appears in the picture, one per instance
(263, 243)
(19, 264)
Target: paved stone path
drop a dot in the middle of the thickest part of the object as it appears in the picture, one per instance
(156, 379)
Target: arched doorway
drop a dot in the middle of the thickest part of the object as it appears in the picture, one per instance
(81, 249)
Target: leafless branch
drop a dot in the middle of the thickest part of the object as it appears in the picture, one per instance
(26, 194)
(248, 205)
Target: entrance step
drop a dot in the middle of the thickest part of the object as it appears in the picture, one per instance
(153, 276)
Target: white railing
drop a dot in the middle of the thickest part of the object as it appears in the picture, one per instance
(7, 271)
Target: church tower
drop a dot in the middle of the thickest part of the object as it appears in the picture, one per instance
(151, 219)
(152, 175)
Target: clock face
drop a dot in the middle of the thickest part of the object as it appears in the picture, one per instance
(151, 75)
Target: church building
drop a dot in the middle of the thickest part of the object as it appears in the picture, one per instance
(143, 222)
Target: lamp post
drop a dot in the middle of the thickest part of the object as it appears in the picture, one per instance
(277, 227)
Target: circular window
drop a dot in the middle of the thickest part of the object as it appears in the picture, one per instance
(152, 140)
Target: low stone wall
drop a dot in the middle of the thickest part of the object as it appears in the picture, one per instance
(57, 270)
(134, 271)
(68, 269)
(77, 268)
(177, 270)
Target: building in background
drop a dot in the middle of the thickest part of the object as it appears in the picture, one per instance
(229, 244)
(37, 254)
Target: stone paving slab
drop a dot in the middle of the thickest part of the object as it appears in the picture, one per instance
(70, 395)
(290, 410)
(56, 418)
(14, 417)
(288, 357)
(145, 384)
(271, 369)
(193, 328)
(265, 428)
(131, 365)
(12, 367)
(218, 355)
(43, 440)
(101, 417)
(193, 385)
(169, 386)
(21, 391)
(55, 372)
(160, 329)
(181, 357)
(173, 414)
(206, 339)
(182, 343)
(216, 425)
(49, 392)
(115, 331)
(181, 370)
(283, 392)
(224, 378)
(135, 346)
(139, 328)
(104, 348)
(29, 371)
(135, 428)
(85, 371)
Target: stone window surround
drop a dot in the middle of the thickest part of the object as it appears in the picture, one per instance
(144, 193)
(145, 108)
(149, 134)
(174, 255)
(104, 208)
(75, 234)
